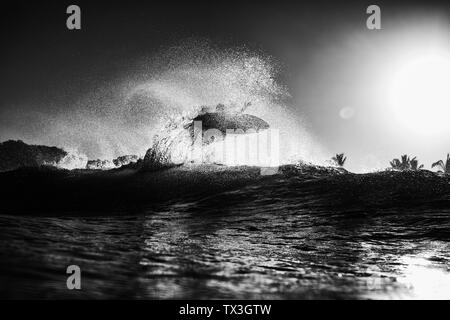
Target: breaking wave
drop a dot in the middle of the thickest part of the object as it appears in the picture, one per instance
(195, 74)
(151, 102)
(73, 160)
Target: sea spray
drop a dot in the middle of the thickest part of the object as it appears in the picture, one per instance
(73, 160)
(195, 75)
(154, 99)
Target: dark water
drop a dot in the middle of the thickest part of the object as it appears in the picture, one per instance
(284, 237)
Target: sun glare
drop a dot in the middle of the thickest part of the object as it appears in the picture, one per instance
(420, 95)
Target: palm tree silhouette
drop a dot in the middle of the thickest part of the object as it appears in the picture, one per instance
(339, 159)
(445, 167)
(406, 164)
(414, 164)
(402, 164)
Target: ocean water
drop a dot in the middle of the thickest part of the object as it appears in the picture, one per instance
(286, 236)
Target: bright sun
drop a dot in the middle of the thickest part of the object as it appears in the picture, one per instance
(420, 95)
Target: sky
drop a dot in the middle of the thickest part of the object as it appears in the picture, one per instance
(372, 94)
